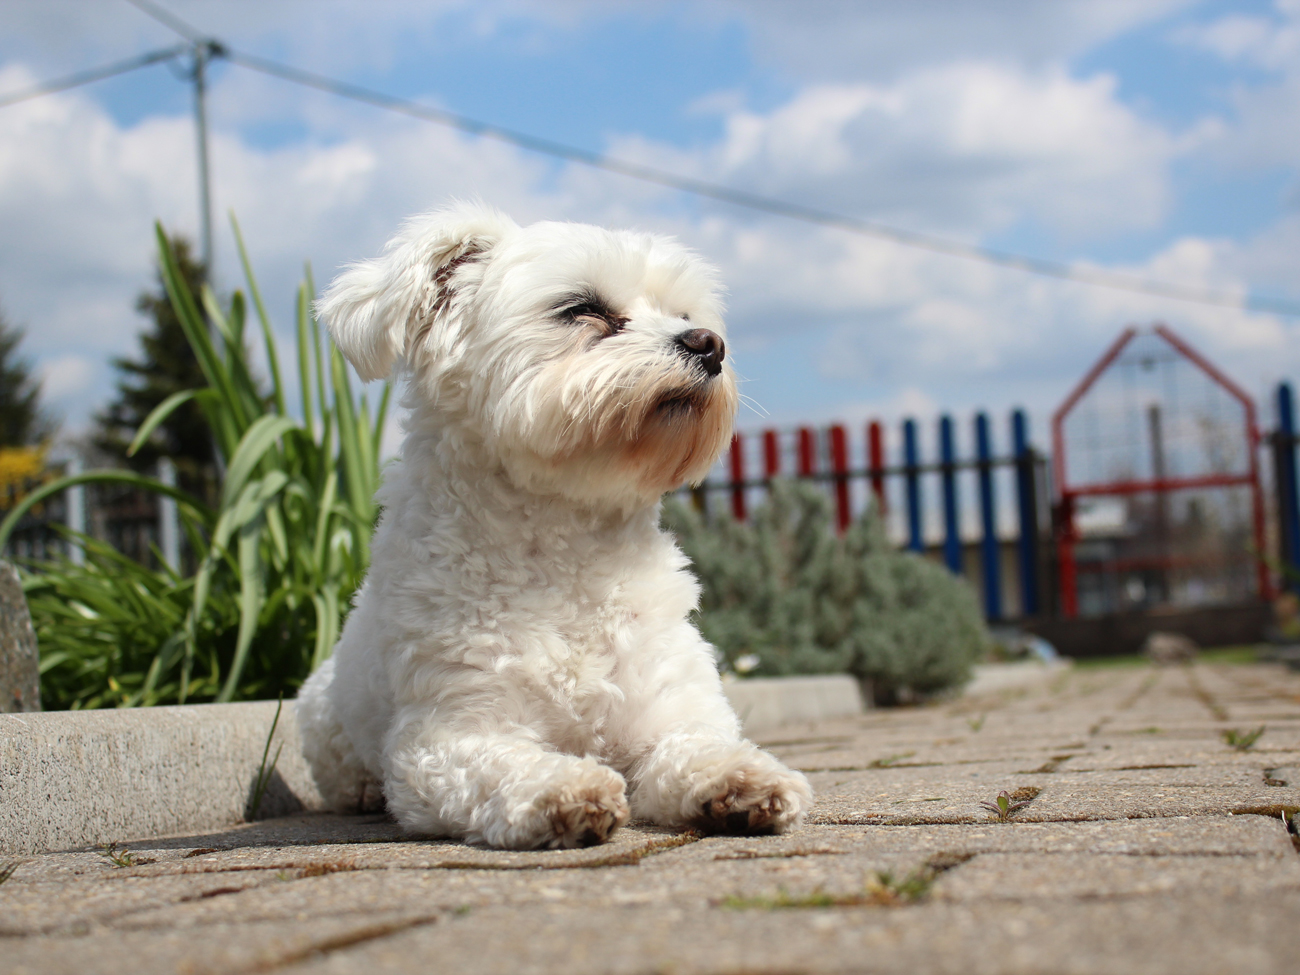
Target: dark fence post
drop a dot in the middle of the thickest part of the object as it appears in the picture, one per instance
(991, 557)
(876, 464)
(840, 465)
(1027, 503)
(1288, 503)
(915, 539)
(948, 475)
(737, 477)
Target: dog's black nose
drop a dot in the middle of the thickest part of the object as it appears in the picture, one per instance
(707, 345)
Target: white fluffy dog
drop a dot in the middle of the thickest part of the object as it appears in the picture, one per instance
(519, 669)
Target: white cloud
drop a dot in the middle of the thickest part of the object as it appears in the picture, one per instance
(956, 145)
(968, 148)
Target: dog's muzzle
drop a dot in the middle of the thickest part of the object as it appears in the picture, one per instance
(705, 347)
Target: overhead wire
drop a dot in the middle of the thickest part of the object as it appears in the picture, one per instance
(94, 74)
(741, 198)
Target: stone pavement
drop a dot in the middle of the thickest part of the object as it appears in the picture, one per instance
(1149, 844)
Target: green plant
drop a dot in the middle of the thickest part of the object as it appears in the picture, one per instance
(120, 856)
(1003, 806)
(786, 590)
(975, 724)
(1243, 741)
(278, 556)
(264, 773)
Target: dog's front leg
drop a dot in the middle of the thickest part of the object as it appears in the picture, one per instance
(498, 786)
(693, 767)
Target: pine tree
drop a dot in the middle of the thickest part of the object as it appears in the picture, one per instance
(167, 365)
(21, 420)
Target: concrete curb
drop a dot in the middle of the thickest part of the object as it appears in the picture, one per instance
(765, 703)
(84, 778)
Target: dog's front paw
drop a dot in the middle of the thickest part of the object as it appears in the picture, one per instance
(587, 811)
(757, 795)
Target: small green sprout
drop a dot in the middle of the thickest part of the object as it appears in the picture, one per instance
(264, 773)
(1243, 741)
(975, 724)
(890, 760)
(120, 856)
(7, 871)
(1003, 806)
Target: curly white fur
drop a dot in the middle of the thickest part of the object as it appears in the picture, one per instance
(519, 669)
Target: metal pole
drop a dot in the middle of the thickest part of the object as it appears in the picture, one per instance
(915, 539)
(169, 536)
(1028, 508)
(989, 549)
(948, 477)
(1288, 491)
(202, 54)
(76, 512)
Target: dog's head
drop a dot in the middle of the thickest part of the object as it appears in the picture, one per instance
(591, 362)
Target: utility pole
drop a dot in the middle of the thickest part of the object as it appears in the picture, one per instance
(203, 52)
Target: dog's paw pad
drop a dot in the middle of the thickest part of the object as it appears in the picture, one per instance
(587, 816)
(758, 804)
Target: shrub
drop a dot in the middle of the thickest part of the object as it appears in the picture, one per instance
(278, 557)
(785, 589)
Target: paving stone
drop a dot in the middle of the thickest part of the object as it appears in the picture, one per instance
(1187, 936)
(1150, 847)
(1033, 876)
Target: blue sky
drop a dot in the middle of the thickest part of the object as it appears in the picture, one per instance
(1155, 137)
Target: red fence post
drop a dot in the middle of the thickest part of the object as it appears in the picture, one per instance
(876, 462)
(807, 452)
(771, 454)
(840, 464)
(738, 477)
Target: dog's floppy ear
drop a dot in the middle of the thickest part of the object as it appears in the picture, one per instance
(374, 309)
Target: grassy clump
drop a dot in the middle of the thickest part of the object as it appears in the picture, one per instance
(276, 559)
(785, 590)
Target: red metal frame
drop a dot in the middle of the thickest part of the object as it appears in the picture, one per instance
(1067, 534)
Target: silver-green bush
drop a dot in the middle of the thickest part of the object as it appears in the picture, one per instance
(786, 589)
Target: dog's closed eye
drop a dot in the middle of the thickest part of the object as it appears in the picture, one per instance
(590, 309)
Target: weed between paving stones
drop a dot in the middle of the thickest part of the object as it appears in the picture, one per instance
(263, 773)
(120, 856)
(1242, 741)
(7, 871)
(882, 890)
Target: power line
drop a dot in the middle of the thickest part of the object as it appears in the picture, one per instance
(94, 74)
(753, 201)
(716, 191)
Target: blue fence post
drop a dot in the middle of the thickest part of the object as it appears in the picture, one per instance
(1288, 495)
(911, 461)
(990, 557)
(1027, 503)
(948, 474)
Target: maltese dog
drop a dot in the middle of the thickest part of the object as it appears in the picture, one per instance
(519, 668)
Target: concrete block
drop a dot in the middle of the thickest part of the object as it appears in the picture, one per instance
(81, 778)
(20, 675)
(765, 703)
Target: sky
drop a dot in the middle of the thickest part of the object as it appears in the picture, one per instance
(1157, 138)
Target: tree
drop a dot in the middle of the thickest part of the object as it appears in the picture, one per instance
(21, 420)
(167, 365)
